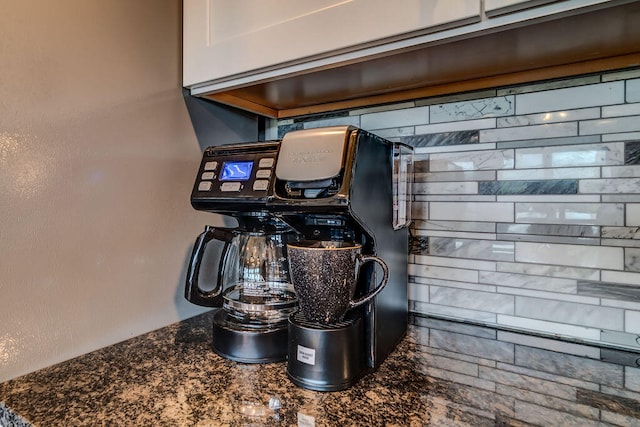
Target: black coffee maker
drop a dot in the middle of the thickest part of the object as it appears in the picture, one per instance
(338, 184)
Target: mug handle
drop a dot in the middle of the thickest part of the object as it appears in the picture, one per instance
(385, 278)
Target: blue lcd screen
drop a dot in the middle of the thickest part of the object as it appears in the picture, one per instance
(236, 171)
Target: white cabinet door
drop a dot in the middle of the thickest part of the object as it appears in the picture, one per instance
(498, 7)
(225, 38)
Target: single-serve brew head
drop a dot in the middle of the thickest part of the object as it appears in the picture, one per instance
(311, 163)
(325, 274)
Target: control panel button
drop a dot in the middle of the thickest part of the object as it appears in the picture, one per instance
(267, 162)
(205, 186)
(263, 173)
(210, 166)
(231, 186)
(260, 184)
(208, 175)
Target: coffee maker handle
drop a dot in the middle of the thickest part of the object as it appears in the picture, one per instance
(381, 285)
(192, 291)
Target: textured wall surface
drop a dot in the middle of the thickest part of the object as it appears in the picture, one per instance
(97, 159)
(527, 204)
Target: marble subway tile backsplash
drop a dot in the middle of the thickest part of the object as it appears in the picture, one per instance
(633, 214)
(591, 95)
(526, 204)
(570, 213)
(570, 156)
(487, 159)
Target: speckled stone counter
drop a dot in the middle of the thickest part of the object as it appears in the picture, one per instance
(442, 373)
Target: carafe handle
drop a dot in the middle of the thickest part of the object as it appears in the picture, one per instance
(193, 292)
(381, 285)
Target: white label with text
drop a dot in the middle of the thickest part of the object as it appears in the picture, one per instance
(306, 355)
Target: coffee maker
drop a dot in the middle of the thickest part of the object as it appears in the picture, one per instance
(340, 184)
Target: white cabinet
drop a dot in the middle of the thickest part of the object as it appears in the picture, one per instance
(230, 38)
(286, 58)
(499, 7)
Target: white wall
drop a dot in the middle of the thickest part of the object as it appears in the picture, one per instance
(97, 159)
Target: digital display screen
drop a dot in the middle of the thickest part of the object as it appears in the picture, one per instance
(236, 171)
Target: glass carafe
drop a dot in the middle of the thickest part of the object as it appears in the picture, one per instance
(253, 283)
(256, 279)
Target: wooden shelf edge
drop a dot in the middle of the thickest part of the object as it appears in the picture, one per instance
(529, 76)
(234, 101)
(521, 77)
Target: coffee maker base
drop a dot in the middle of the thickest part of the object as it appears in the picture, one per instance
(325, 357)
(246, 345)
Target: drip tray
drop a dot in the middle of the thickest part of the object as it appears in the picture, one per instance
(298, 319)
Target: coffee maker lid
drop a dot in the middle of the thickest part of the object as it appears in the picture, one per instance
(312, 154)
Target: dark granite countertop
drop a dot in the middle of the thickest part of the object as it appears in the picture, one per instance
(442, 373)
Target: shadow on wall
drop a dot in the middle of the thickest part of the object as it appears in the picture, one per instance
(214, 124)
(217, 124)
